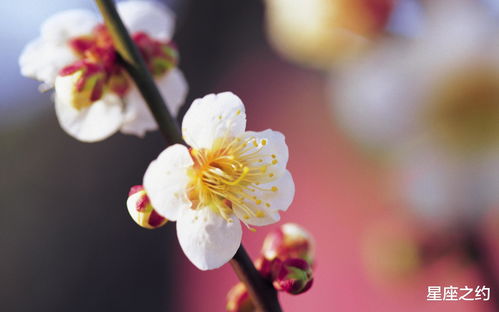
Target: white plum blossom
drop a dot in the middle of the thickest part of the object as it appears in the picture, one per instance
(227, 175)
(94, 96)
(433, 103)
(411, 89)
(447, 190)
(325, 33)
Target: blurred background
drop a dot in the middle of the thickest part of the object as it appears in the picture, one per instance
(391, 114)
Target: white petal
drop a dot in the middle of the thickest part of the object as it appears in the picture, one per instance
(274, 152)
(439, 188)
(278, 200)
(153, 18)
(207, 239)
(173, 88)
(94, 123)
(213, 116)
(165, 181)
(61, 27)
(43, 59)
(375, 100)
(131, 205)
(138, 117)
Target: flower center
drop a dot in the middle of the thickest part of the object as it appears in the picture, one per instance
(465, 110)
(228, 176)
(99, 68)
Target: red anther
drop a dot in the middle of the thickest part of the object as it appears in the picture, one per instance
(98, 90)
(152, 50)
(89, 69)
(81, 44)
(227, 203)
(70, 69)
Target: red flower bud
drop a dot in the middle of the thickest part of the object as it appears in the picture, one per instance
(141, 211)
(293, 275)
(289, 241)
(238, 299)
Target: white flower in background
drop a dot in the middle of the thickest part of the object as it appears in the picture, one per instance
(433, 102)
(446, 190)
(228, 174)
(94, 97)
(321, 33)
(441, 87)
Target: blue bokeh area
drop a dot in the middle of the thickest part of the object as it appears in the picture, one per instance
(20, 23)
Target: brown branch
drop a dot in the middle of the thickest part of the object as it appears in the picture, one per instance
(262, 293)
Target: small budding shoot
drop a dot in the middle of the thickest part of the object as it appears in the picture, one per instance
(141, 210)
(238, 300)
(286, 260)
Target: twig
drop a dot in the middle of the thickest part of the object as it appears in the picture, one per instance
(136, 67)
(261, 292)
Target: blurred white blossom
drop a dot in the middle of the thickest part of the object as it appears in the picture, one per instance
(94, 97)
(321, 33)
(433, 102)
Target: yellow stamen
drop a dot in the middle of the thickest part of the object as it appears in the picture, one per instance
(224, 176)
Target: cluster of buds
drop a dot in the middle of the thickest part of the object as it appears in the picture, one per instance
(286, 260)
(140, 209)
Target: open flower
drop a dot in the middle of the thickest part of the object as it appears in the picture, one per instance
(441, 88)
(322, 33)
(433, 101)
(228, 174)
(94, 97)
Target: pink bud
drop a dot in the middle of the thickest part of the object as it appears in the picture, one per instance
(141, 210)
(264, 266)
(289, 241)
(293, 275)
(238, 300)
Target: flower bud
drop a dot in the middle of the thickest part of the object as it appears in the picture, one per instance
(141, 210)
(264, 266)
(289, 241)
(293, 276)
(238, 299)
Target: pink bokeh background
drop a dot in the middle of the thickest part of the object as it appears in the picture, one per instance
(339, 194)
